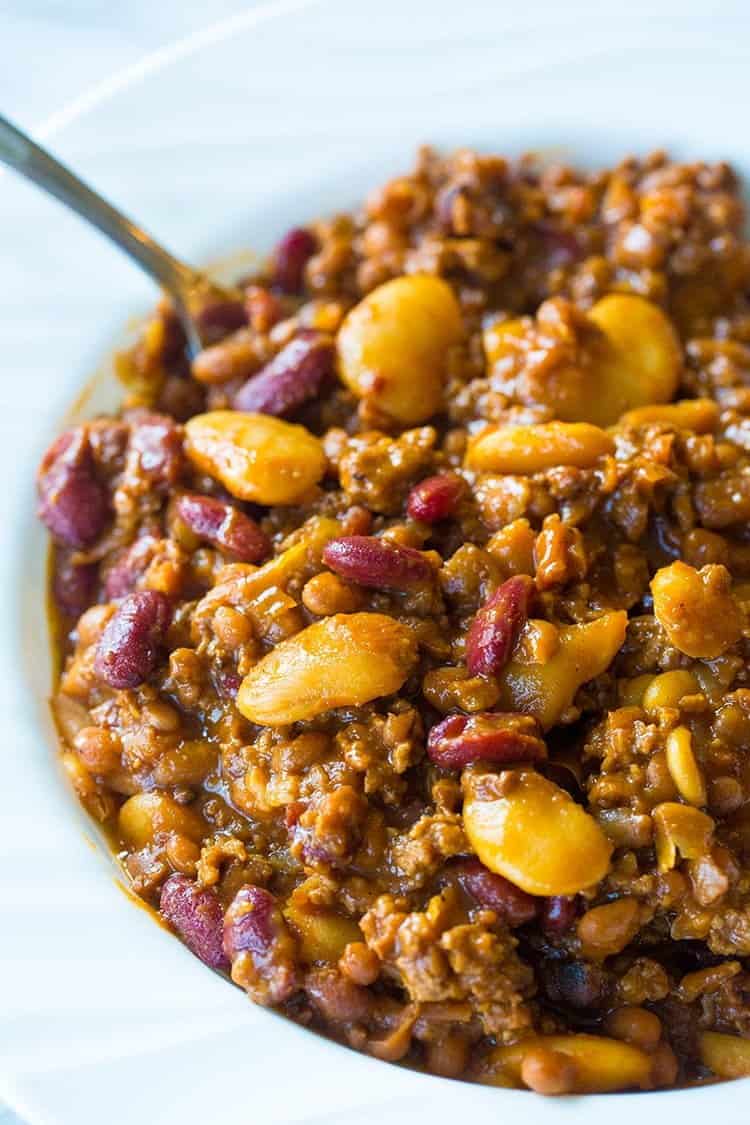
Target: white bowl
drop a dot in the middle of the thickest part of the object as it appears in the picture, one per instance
(220, 141)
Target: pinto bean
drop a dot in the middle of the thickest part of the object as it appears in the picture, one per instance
(196, 914)
(128, 648)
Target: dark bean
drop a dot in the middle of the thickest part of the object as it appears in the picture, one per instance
(575, 984)
(217, 317)
(128, 649)
(197, 916)
(156, 447)
(435, 498)
(291, 378)
(73, 504)
(458, 740)
(512, 904)
(259, 946)
(122, 577)
(336, 998)
(494, 631)
(290, 258)
(370, 561)
(224, 526)
(558, 914)
(74, 587)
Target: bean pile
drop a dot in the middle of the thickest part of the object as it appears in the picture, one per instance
(404, 633)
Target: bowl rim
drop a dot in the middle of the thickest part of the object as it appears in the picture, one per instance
(149, 65)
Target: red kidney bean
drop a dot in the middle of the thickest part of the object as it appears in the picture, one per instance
(156, 445)
(379, 563)
(197, 916)
(495, 892)
(223, 525)
(558, 914)
(74, 587)
(487, 736)
(494, 631)
(435, 498)
(73, 504)
(128, 649)
(217, 317)
(259, 946)
(291, 378)
(122, 577)
(290, 258)
(336, 998)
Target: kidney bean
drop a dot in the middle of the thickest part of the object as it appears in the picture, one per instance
(223, 525)
(494, 631)
(496, 893)
(197, 916)
(290, 258)
(74, 587)
(156, 446)
(336, 998)
(73, 504)
(122, 577)
(259, 946)
(558, 914)
(435, 498)
(217, 317)
(487, 736)
(292, 377)
(128, 649)
(370, 561)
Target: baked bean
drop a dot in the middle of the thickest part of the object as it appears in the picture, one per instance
(635, 1025)
(548, 1072)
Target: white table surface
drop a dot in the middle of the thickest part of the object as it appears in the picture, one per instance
(69, 47)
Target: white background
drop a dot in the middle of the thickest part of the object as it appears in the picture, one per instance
(54, 50)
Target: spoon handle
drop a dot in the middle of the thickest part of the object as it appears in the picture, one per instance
(21, 153)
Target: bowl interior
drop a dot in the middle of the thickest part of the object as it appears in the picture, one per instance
(292, 110)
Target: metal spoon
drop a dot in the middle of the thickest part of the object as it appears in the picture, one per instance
(187, 287)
